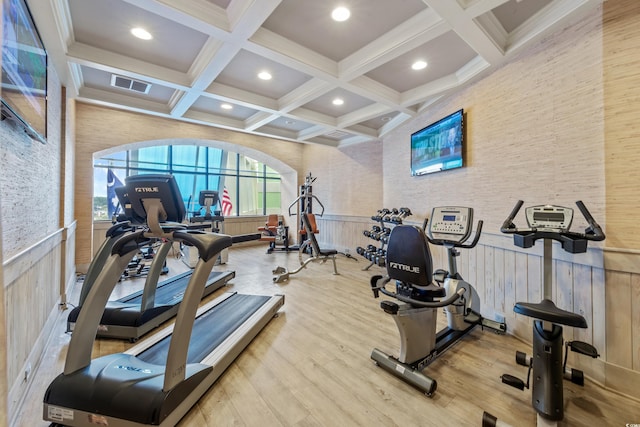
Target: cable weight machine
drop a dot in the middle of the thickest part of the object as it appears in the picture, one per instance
(304, 204)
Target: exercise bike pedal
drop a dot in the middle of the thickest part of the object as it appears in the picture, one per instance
(576, 376)
(389, 307)
(512, 381)
(582, 347)
(522, 359)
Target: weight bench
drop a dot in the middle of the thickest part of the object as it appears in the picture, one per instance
(317, 254)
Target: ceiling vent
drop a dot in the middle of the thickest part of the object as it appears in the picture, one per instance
(130, 84)
(336, 134)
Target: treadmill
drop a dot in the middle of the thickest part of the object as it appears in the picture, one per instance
(157, 381)
(134, 315)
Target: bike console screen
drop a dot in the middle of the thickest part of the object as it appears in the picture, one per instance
(549, 217)
(451, 223)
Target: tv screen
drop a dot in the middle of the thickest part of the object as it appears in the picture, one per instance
(24, 70)
(438, 147)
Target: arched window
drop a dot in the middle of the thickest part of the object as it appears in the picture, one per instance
(252, 188)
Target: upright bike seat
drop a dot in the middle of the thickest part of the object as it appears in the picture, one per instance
(546, 310)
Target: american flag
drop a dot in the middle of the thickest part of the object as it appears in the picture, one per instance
(227, 206)
(112, 199)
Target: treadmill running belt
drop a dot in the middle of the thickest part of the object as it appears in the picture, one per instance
(169, 291)
(210, 329)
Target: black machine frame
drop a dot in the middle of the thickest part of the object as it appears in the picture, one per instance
(549, 223)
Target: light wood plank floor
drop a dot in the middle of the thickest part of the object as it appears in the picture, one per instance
(311, 367)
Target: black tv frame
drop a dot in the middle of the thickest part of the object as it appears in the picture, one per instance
(456, 155)
(18, 79)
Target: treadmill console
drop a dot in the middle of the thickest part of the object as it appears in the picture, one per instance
(549, 217)
(451, 223)
(159, 188)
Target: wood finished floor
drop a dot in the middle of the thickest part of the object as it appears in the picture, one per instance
(310, 366)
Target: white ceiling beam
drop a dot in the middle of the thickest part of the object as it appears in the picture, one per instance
(216, 120)
(369, 88)
(480, 7)
(414, 32)
(361, 115)
(246, 16)
(467, 29)
(304, 94)
(241, 97)
(362, 131)
(217, 58)
(393, 123)
(110, 62)
(199, 15)
(271, 45)
(259, 119)
(118, 100)
(419, 94)
(552, 16)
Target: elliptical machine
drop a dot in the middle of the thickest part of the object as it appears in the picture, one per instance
(549, 223)
(409, 264)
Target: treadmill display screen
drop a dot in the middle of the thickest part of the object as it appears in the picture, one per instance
(449, 218)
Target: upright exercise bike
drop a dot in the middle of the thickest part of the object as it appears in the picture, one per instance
(409, 264)
(549, 223)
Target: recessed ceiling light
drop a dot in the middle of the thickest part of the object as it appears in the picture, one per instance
(289, 122)
(385, 118)
(141, 33)
(340, 14)
(338, 101)
(264, 75)
(419, 65)
(226, 106)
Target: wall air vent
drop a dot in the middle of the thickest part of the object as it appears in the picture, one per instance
(130, 84)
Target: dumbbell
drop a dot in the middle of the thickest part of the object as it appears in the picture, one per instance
(380, 214)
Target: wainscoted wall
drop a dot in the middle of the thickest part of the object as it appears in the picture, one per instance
(31, 296)
(34, 243)
(3, 335)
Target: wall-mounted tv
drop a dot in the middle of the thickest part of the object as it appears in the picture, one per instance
(24, 70)
(438, 147)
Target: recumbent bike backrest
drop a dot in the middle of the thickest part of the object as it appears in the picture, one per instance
(408, 256)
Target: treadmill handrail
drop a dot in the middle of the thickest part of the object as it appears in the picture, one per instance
(111, 235)
(124, 249)
(84, 333)
(153, 276)
(175, 370)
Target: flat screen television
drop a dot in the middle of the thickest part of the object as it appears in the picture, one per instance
(439, 146)
(24, 70)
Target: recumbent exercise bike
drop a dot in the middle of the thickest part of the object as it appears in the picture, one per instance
(409, 263)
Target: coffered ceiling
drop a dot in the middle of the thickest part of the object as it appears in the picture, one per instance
(205, 55)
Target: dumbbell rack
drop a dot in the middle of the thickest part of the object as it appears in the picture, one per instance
(385, 219)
